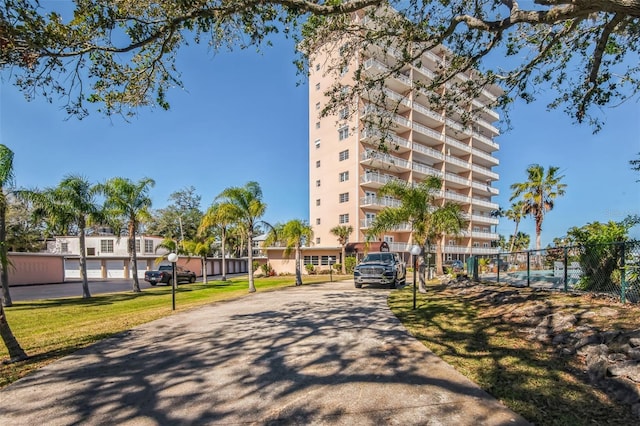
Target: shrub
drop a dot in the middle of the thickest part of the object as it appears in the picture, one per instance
(310, 268)
(267, 270)
(350, 264)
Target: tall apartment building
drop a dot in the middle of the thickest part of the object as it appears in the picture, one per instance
(346, 168)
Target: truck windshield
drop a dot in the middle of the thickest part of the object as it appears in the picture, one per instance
(378, 257)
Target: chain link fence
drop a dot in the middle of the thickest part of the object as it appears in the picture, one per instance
(612, 269)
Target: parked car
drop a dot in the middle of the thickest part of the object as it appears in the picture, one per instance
(382, 268)
(455, 265)
(164, 274)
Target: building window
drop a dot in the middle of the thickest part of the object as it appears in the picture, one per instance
(317, 86)
(343, 218)
(317, 105)
(318, 221)
(318, 240)
(452, 242)
(106, 246)
(343, 133)
(317, 201)
(344, 176)
(485, 245)
(91, 251)
(317, 142)
(476, 244)
(317, 164)
(476, 229)
(343, 155)
(344, 113)
(344, 197)
(311, 260)
(317, 124)
(137, 246)
(318, 182)
(64, 247)
(148, 246)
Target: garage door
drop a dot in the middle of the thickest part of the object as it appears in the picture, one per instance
(115, 269)
(71, 268)
(93, 269)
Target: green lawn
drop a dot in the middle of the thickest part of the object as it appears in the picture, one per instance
(468, 330)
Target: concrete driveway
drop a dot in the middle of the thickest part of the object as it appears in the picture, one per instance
(324, 354)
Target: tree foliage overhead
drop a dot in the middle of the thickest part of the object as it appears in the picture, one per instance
(121, 54)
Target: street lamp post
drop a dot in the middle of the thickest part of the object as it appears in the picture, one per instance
(415, 251)
(173, 258)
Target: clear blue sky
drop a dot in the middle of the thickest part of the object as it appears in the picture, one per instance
(243, 116)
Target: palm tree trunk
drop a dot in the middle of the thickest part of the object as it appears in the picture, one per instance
(16, 353)
(439, 267)
(204, 269)
(4, 259)
(224, 263)
(344, 259)
(298, 271)
(83, 262)
(252, 286)
(133, 256)
(513, 239)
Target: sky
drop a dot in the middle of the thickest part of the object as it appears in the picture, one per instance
(243, 116)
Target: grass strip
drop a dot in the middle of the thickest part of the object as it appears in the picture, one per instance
(469, 332)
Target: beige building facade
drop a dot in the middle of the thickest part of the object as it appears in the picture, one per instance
(347, 168)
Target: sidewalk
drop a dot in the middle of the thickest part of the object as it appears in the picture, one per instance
(323, 354)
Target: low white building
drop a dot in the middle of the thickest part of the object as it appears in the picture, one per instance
(107, 255)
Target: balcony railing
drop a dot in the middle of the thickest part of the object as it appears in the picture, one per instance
(455, 178)
(454, 142)
(386, 158)
(427, 131)
(427, 151)
(372, 200)
(484, 171)
(378, 178)
(421, 168)
(485, 219)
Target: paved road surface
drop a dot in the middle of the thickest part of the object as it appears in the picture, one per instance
(74, 288)
(323, 354)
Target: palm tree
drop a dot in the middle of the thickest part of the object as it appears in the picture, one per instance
(342, 232)
(71, 203)
(200, 247)
(293, 234)
(416, 203)
(515, 213)
(130, 202)
(247, 207)
(6, 181)
(446, 220)
(539, 192)
(16, 353)
(520, 241)
(221, 218)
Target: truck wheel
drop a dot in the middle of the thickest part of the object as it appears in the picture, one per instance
(170, 282)
(358, 285)
(192, 279)
(153, 283)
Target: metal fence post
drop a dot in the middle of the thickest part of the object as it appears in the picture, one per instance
(528, 268)
(623, 281)
(498, 269)
(566, 272)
